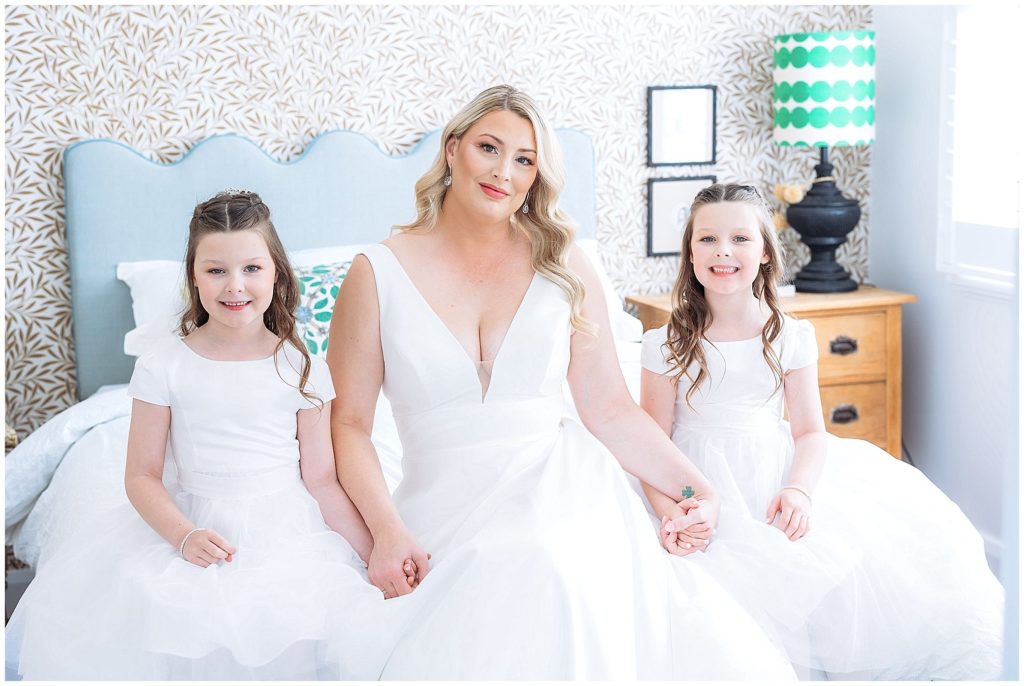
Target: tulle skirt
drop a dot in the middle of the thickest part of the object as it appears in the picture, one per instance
(544, 567)
(891, 582)
(120, 603)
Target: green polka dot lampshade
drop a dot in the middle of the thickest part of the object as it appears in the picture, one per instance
(825, 88)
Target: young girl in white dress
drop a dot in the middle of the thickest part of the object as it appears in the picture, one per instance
(239, 567)
(859, 564)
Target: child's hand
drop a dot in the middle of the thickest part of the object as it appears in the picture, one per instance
(695, 518)
(705, 510)
(203, 547)
(412, 574)
(793, 511)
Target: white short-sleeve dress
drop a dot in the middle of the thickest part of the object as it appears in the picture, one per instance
(122, 603)
(890, 583)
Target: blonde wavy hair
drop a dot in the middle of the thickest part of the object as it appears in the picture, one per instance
(550, 230)
(691, 315)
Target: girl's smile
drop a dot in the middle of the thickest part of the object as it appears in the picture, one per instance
(726, 248)
(234, 276)
(721, 270)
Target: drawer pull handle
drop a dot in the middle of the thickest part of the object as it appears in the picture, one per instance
(844, 414)
(843, 345)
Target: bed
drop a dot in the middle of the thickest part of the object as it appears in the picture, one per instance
(127, 220)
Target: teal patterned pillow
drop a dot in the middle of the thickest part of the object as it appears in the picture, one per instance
(318, 289)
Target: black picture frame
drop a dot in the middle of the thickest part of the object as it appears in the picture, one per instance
(688, 135)
(668, 206)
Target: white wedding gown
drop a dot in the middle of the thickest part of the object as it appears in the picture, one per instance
(544, 562)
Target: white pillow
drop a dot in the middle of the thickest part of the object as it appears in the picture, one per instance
(625, 327)
(155, 287)
(158, 299)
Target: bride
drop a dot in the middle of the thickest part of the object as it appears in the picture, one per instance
(514, 547)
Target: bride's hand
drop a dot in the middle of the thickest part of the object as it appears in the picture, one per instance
(397, 564)
(704, 509)
(675, 542)
(691, 526)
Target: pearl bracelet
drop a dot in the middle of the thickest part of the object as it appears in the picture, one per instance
(181, 548)
(799, 489)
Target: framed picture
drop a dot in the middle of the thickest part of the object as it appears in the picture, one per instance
(681, 125)
(668, 209)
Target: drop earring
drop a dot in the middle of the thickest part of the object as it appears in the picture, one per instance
(448, 179)
(526, 204)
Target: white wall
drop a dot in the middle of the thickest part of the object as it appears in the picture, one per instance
(960, 344)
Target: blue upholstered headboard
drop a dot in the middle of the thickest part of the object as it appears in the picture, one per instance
(343, 190)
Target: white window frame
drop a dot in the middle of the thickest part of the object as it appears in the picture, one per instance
(958, 270)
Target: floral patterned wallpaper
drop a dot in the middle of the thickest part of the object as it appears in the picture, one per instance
(161, 78)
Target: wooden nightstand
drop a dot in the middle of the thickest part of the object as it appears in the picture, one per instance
(860, 365)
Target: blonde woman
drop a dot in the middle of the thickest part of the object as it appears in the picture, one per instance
(531, 556)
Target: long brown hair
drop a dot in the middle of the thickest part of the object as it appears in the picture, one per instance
(691, 315)
(549, 229)
(230, 211)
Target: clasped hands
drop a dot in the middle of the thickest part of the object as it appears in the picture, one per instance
(397, 565)
(690, 526)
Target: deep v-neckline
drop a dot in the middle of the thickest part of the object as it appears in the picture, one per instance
(452, 337)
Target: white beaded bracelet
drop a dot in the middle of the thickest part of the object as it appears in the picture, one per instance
(181, 548)
(799, 489)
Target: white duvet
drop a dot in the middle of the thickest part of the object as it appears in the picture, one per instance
(75, 463)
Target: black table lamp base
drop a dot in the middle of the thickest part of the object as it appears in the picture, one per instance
(823, 219)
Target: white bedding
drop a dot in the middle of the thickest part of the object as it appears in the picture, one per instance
(74, 464)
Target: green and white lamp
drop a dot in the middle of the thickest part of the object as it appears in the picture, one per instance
(824, 96)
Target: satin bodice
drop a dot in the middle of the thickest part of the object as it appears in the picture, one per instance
(433, 385)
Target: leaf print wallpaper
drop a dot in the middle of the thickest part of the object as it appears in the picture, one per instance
(161, 78)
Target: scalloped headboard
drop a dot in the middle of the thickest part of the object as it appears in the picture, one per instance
(343, 190)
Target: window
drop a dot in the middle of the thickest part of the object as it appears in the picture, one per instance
(981, 153)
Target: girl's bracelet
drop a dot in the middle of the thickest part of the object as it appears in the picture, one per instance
(800, 489)
(181, 548)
